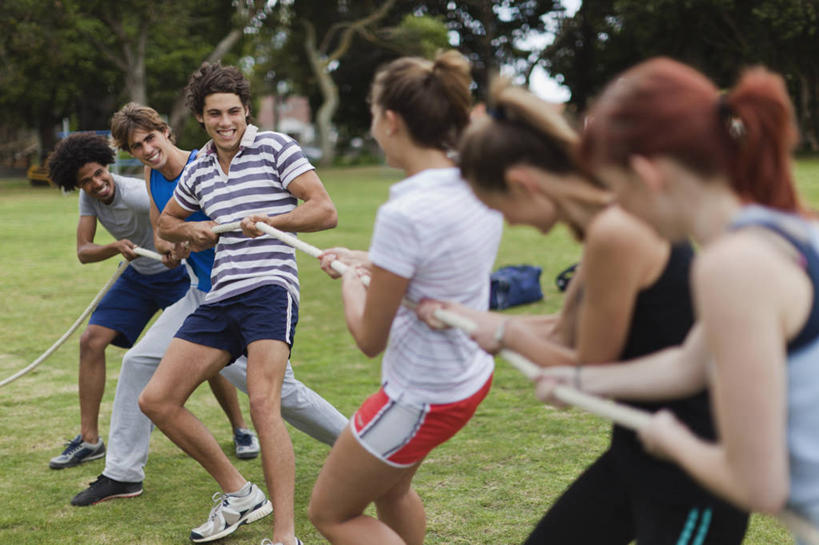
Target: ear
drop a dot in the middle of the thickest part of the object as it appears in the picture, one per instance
(199, 117)
(393, 121)
(522, 180)
(647, 171)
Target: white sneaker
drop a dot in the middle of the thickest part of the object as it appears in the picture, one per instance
(266, 541)
(230, 512)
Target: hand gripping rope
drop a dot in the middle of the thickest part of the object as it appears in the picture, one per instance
(91, 306)
(623, 415)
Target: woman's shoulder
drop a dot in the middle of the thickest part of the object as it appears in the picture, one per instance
(615, 230)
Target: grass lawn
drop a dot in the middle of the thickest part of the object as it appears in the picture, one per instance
(490, 484)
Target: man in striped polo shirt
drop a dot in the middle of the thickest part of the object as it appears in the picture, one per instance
(240, 174)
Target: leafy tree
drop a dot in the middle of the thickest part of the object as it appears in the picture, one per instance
(492, 34)
(322, 33)
(45, 67)
(719, 37)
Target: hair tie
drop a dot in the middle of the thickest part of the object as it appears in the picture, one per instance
(498, 113)
(729, 118)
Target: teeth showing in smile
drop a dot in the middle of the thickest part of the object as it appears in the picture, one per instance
(153, 157)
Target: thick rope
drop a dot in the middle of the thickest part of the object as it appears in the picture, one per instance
(91, 306)
(618, 413)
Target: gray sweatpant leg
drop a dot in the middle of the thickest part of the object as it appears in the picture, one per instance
(130, 434)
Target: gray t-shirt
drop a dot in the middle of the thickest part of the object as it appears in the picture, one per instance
(128, 216)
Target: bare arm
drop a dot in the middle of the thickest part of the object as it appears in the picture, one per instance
(173, 227)
(370, 311)
(621, 256)
(316, 213)
(527, 335)
(90, 252)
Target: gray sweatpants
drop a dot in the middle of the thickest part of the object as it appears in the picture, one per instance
(130, 434)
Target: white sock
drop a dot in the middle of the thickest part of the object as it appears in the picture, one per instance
(242, 492)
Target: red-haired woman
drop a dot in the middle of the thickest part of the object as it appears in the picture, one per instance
(689, 161)
(432, 238)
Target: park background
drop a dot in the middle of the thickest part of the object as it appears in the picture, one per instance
(67, 65)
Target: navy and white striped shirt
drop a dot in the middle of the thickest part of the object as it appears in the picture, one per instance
(257, 184)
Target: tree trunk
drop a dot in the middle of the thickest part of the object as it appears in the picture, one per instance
(324, 117)
(329, 105)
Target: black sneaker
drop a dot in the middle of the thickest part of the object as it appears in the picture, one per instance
(76, 452)
(106, 489)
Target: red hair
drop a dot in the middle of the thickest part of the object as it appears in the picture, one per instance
(663, 107)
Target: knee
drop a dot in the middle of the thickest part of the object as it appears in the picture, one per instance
(91, 341)
(262, 406)
(319, 517)
(150, 405)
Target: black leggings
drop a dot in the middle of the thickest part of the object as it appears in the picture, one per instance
(600, 508)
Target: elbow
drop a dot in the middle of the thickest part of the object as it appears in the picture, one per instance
(330, 216)
(82, 258)
(770, 498)
(370, 350)
(370, 347)
(162, 227)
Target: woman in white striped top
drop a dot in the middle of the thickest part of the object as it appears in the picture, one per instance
(433, 238)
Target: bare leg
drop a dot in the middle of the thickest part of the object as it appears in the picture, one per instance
(225, 394)
(266, 362)
(93, 342)
(350, 480)
(184, 367)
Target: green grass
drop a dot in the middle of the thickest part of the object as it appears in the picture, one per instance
(489, 484)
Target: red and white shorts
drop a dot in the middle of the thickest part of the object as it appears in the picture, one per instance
(401, 434)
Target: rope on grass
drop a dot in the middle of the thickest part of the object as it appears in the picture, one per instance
(618, 413)
(91, 306)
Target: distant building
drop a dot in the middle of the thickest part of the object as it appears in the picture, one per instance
(291, 116)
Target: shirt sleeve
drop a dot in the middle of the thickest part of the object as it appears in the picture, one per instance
(185, 193)
(86, 206)
(291, 162)
(396, 244)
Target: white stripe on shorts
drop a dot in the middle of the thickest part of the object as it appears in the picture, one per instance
(287, 338)
(391, 429)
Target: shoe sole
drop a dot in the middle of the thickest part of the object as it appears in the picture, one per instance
(247, 455)
(114, 497)
(73, 463)
(265, 509)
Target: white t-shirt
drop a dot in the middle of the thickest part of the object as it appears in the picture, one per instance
(434, 231)
(128, 216)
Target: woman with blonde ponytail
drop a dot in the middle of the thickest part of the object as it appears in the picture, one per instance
(628, 297)
(693, 162)
(432, 238)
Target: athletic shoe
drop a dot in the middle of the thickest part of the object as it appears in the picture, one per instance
(106, 489)
(246, 443)
(230, 512)
(266, 541)
(77, 452)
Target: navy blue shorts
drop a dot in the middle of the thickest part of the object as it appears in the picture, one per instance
(134, 298)
(267, 312)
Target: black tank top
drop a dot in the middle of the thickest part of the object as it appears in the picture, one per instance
(663, 315)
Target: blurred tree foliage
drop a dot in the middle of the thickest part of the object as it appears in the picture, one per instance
(719, 37)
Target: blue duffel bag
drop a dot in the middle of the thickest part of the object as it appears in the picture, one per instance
(514, 285)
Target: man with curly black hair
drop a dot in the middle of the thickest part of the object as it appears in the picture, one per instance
(121, 205)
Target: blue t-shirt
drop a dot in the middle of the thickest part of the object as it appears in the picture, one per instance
(162, 190)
